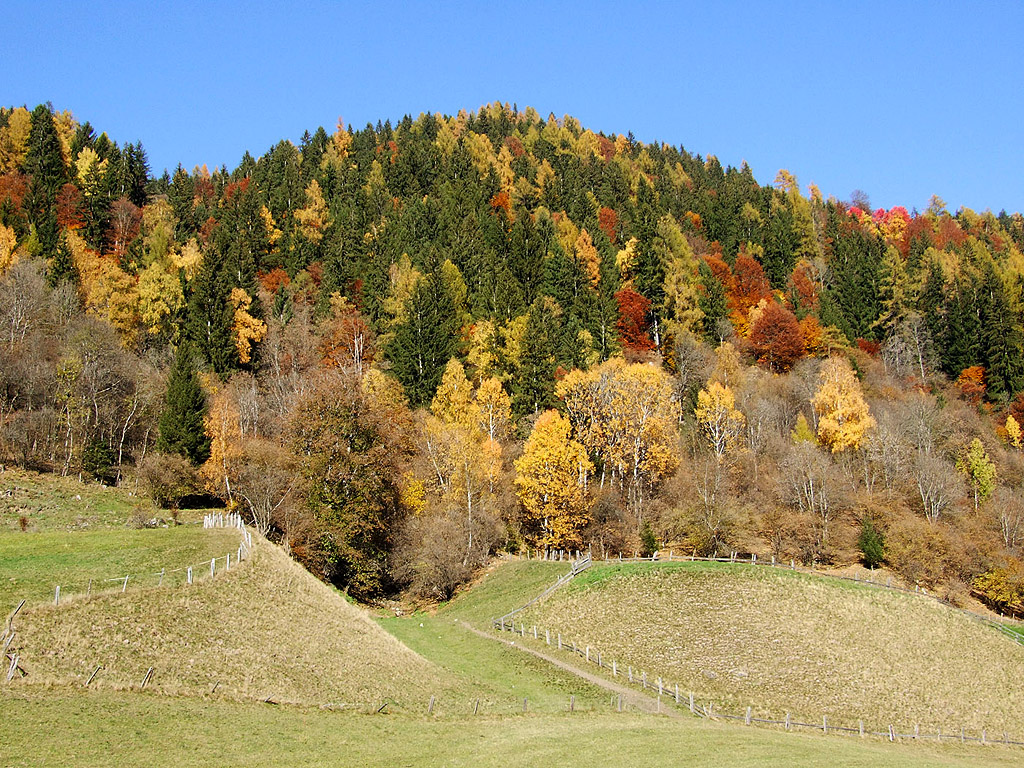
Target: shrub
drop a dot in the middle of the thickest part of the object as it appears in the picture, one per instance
(872, 544)
(166, 478)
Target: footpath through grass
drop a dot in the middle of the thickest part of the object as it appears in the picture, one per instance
(104, 729)
(33, 564)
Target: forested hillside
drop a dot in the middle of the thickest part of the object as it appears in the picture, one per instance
(402, 348)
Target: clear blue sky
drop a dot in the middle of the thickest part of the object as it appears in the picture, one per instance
(901, 100)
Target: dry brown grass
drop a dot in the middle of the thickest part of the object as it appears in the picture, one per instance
(780, 642)
(265, 629)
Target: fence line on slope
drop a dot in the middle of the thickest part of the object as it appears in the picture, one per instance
(673, 694)
(1001, 624)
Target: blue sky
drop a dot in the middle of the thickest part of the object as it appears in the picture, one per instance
(900, 100)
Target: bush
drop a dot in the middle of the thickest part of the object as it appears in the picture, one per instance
(872, 544)
(167, 478)
(648, 541)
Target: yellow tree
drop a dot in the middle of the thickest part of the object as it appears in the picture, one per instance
(160, 296)
(551, 483)
(1013, 433)
(246, 329)
(8, 243)
(494, 407)
(718, 418)
(222, 425)
(843, 415)
(314, 218)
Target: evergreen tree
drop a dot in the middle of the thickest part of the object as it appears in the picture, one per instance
(712, 302)
(181, 428)
(423, 344)
(210, 316)
(533, 387)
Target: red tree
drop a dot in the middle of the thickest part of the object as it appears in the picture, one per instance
(632, 323)
(776, 338)
(608, 221)
(70, 212)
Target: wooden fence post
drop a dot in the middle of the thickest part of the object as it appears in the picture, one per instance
(787, 721)
(189, 576)
(430, 706)
(213, 567)
(476, 706)
(559, 641)
(93, 675)
(615, 669)
(824, 723)
(125, 585)
(89, 590)
(547, 637)
(524, 705)
(892, 733)
(56, 596)
(860, 727)
(13, 667)
(692, 710)
(572, 703)
(161, 582)
(677, 693)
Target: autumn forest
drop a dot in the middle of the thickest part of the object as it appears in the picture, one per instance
(401, 349)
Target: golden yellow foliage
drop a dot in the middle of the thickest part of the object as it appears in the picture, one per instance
(551, 478)
(1013, 433)
(314, 218)
(453, 401)
(222, 425)
(246, 329)
(8, 245)
(107, 290)
(14, 139)
(718, 418)
(160, 297)
(413, 494)
(188, 259)
(494, 407)
(588, 257)
(843, 415)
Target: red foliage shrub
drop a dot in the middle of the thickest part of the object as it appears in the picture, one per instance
(775, 337)
(632, 323)
(608, 221)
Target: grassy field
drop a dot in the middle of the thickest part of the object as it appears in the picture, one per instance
(50, 502)
(780, 641)
(265, 629)
(505, 586)
(32, 564)
(106, 728)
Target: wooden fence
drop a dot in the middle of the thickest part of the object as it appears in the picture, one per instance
(671, 691)
(184, 575)
(1001, 624)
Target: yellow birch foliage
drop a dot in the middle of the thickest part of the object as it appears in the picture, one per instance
(107, 290)
(14, 139)
(843, 415)
(413, 494)
(551, 483)
(1013, 431)
(718, 418)
(8, 246)
(313, 219)
(222, 425)
(588, 257)
(188, 259)
(160, 297)
(246, 329)
(494, 408)
(453, 401)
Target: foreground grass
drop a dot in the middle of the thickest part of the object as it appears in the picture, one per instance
(50, 502)
(499, 675)
(32, 564)
(265, 629)
(779, 641)
(73, 728)
(505, 587)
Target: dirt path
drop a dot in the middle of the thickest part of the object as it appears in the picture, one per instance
(633, 698)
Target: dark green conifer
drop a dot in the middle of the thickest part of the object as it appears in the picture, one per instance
(181, 422)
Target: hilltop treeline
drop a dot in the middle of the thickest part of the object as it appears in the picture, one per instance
(402, 347)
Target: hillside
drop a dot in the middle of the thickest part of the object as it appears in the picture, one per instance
(785, 642)
(266, 629)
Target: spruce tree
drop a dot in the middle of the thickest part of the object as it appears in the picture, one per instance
(424, 343)
(181, 422)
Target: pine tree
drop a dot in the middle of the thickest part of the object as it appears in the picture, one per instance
(181, 422)
(426, 341)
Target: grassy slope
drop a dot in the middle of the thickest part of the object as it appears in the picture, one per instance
(780, 641)
(105, 728)
(51, 502)
(32, 564)
(265, 629)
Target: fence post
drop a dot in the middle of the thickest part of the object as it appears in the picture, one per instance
(660, 691)
(572, 703)
(615, 670)
(892, 734)
(746, 720)
(94, 673)
(630, 674)
(643, 679)
(860, 727)
(213, 567)
(787, 721)
(824, 723)
(524, 705)
(227, 563)
(189, 575)
(588, 654)
(559, 641)
(677, 693)
(430, 706)
(125, 585)
(476, 706)
(89, 590)
(983, 735)
(161, 582)
(547, 636)
(56, 596)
